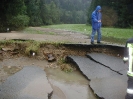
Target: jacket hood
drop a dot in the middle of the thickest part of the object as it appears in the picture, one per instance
(98, 8)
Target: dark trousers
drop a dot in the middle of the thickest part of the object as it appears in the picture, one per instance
(129, 86)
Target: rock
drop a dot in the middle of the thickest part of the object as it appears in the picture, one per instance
(49, 56)
(9, 67)
(14, 53)
(1, 52)
(7, 49)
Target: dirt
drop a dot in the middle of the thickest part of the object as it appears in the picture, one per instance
(49, 35)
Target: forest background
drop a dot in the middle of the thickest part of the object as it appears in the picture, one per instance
(18, 14)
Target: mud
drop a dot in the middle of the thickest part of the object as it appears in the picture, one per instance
(69, 85)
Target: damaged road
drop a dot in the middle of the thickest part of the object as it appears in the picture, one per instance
(107, 74)
(29, 83)
(113, 63)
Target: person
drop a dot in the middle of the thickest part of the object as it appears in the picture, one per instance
(96, 24)
(128, 58)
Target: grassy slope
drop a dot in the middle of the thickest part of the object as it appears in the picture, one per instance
(115, 35)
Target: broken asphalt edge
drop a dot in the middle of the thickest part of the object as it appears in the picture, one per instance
(69, 59)
(95, 45)
(88, 56)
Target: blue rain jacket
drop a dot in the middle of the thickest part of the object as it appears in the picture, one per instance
(95, 17)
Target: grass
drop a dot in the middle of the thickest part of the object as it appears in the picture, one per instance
(32, 47)
(83, 28)
(115, 35)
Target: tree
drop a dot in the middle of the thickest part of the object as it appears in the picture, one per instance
(22, 13)
(121, 9)
(51, 14)
(34, 12)
(9, 10)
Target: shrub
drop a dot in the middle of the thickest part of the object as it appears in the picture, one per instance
(19, 22)
(109, 16)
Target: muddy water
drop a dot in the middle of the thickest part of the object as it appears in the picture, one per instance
(65, 85)
(69, 85)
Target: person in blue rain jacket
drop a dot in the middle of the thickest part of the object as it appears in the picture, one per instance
(96, 24)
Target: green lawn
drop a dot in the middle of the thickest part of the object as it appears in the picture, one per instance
(116, 35)
(73, 27)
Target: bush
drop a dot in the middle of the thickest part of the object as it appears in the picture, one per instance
(19, 22)
(109, 16)
(2, 28)
(35, 21)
